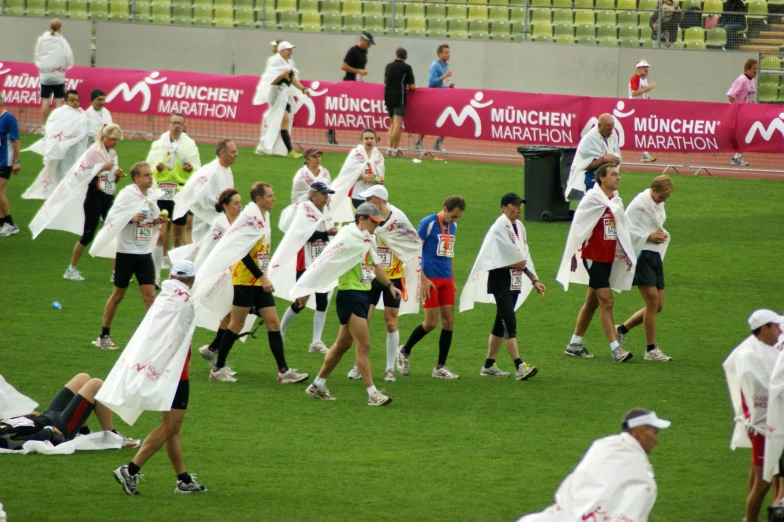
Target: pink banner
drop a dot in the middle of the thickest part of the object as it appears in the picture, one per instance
(500, 116)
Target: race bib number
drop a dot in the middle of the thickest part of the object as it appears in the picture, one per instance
(169, 190)
(386, 257)
(517, 279)
(442, 247)
(144, 232)
(316, 248)
(610, 232)
(104, 185)
(263, 258)
(368, 273)
(19, 422)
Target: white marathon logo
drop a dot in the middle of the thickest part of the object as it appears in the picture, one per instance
(3, 71)
(468, 111)
(618, 128)
(766, 132)
(305, 101)
(142, 87)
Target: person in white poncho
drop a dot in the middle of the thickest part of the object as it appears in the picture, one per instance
(97, 114)
(599, 237)
(748, 371)
(503, 273)
(646, 226)
(309, 174)
(53, 57)
(614, 481)
(597, 147)
(363, 168)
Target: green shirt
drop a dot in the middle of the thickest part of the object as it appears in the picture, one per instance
(352, 280)
(176, 175)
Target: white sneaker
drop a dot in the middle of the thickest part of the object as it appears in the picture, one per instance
(656, 355)
(493, 371)
(443, 373)
(379, 399)
(318, 347)
(209, 356)
(525, 372)
(319, 393)
(166, 264)
(353, 373)
(73, 274)
(647, 158)
(389, 376)
(621, 338)
(222, 375)
(105, 343)
(403, 365)
(8, 230)
(438, 146)
(291, 376)
(620, 355)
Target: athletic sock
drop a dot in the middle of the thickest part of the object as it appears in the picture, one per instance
(157, 260)
(105, 332)
(371, 390)
(215, 344)
(284, 134)
(2, 221)
(623, 330)
(185, 477)
(73, 267)
(416, 336)
(276, 345)
(319, 383)
(444, 343)
(518, 362)
(133, 469)
(288, 316)
(614, 345)
(576, 339)
(393, 341)
(225, 347)
(319, 320)
(10, 220)
(489, 363)
(651, 347)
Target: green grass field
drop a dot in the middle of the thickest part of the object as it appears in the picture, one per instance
(472, 449)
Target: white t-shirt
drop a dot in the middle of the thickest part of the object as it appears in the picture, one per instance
(97, 120)
(137, 238)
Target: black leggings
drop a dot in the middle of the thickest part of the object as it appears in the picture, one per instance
(505, 325)
(96, 206)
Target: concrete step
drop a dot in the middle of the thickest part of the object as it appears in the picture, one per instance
(765, 41)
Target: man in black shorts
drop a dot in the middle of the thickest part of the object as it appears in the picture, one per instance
(9, 163)
(398, 78)
(354, 65)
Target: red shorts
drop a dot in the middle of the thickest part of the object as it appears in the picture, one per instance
(757, 448)
(443, 294)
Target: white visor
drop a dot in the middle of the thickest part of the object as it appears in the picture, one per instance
(649, 419)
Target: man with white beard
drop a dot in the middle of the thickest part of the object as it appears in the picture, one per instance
(614, 480)
(201, 191)
(97, 114)
(64, 143)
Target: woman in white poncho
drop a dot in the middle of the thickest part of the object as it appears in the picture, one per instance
(363, 168)
(53, 57)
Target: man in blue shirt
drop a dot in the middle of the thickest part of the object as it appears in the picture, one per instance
(437, 232)
(440, 78)
(9, 163)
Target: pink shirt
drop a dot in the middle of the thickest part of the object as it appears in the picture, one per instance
(742, 90)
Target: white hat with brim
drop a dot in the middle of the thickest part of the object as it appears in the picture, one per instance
(643, 63)
(274, 42)
(282, 46)
(762, 317)
(649, 419)
(378, 191)
(183, 268)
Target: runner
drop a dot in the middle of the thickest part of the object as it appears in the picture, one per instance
(307, 175)
(364, 167)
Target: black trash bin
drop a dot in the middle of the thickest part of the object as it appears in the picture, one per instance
(546, 175)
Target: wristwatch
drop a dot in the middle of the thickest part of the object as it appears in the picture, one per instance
(17, 162)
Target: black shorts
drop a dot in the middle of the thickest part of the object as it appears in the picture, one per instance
(357, 202)
(598, 273)
(68, 411)
(399, 110)
(57, 90)
(650, 271)
(128, 265)
(377, 290)
(180, 401)
(168, 205)
(96, 206)
(249, 296)
(352, 302)
(5, 172)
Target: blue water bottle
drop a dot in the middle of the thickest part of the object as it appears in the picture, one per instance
(57, 306)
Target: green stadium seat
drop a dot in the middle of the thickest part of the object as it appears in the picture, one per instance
(77, 9)
(268, 23)
(583, 4)
(416, 33)
(438, 24)
(478, 35)
(685, 4)
(374, 24)
(141, 11)
(605, 4)
(223, 3)
(716, 37)
(208, 3)
(477, 12)
(585, 31)
(630, 5)
(542, 29)
(289, 26)
(543, 38)
(540, 15)
(768, 92)
(352, 7)
(57, 8)
(245, 18)
(562, 3)
(606, 31)
(608, 41)
(224, 17)
(14, 11)
(37, 5)
(332, 28)
(458, 35)
(119, 10)
(333, 19)
(454, 12)
(435, 10)
(540, 3)
(459, 25)
(202, 12)
(504, 2)
(160, 11)
(478, 26)
(205, 22)
(516, 15)
(629, 31)
(498, 28)
(288, 18)
(414, 9)
(239, 4)
(178, 10)
(648, 5)
(181, 20)
(606, 18)
(308, 6)
(373, 7)
(161, 19)
(311, 18)
(352, 23)
(563, 16)
(694, 38)
(586, 40)
(330, 6)
(645, 34)
(769, 78)
(629, 18)
(285, 5)
(564, 39)
(311, 28)
(498, 14)
(437, 33)
(518, 2)
(517, 31)
(712, 7)
(414, 23)
(162, 3)
(99, 10)
(501, 37)
(584, 16)
(757, 11)
(769, 62)
(563, 29)
(629, 42)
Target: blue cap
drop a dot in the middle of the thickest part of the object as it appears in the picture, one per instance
(320, 186)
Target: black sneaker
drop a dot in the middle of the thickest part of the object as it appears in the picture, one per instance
(126, 480)
(331, 139)
(191, 487)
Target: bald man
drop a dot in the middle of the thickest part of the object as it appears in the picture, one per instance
(597, 147)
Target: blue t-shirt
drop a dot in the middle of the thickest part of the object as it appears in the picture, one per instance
(9, 131)
(436, 72)
(435, 262)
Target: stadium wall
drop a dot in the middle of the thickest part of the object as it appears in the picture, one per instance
(18, 36)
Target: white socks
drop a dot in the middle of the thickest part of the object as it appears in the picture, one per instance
(371, 390)
(319, 383)
(576, 339)
(393, 341)
(319, 320)
(157, 259)
(614, 345)
(287, 318)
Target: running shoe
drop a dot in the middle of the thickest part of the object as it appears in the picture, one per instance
(331, 139)
(166, 264)
(525, 372)
(224, 375)
(656, 355)
(438, 146)
(577, 350)
(294, 154)
(647, 158)
(318, 347)
(389, 376)
(209, 356)
(8, 230)
(291, 376)
(126, 480)
(493, 371)
(620, 355)
(402, 362)
(418, 147)
(379, 399)
(443, 373)
(620, 337)
(353, 373)
(737, 160)
(190, 487)
(128, 442)
(74, 275)
(319, 393)
(105, 343)
(157, 283)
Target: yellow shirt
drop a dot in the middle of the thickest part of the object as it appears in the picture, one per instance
(391, 264)
(241, 276)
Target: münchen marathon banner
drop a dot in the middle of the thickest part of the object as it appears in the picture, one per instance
(498, 116)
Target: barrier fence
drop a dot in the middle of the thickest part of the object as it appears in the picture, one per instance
(490, 124)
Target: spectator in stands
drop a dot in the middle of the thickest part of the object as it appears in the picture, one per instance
(670, 17)
(97, 114)
(639, 89)
(354, 64)
(733, 21)
(440, 77)
(743, 90)
(53, 57)
(398, 78)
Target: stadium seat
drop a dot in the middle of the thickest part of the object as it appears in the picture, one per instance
(517, 31)
(141, 11)
(416, 23)
(311, 28)
(413, 9)
(353, 23)
(244, 17)
(310, 18)
(417, 33)
(333, 19)
(99, 10)
(498, 29)
(768, 92)
(629, 31)
(435, 10)
(308, 6)
(770, 62)
(223, 3)
(436, 23)
(757, 11)
(543, 38)
(288, 18)
(459, 35)
(201, 13)
(454, 12)
(14, 8)
(460, 25)
(712, 7)
(330, 6)
(606, 31)
(239, 4)
(585, 31)
(648, 5)
(518, 2)
(716, 37)
(694, 38)
(352, 7)
(284, 5)
(208, 3)
(267, 23)
(685, 4)
(373, 8)
(77, 9)
(585, 40)
(118, 10)
(161, 19)
(182, 20)
(501, 37)
(498, 14)
(539, 15)
(564, 39)
(332, 28)
(606, 18)
(629, 18)
(374, 24)
(608, 41)
(505, 2)
(542, 29)
(606, 4)
(477, 12)
(645, 35)
(437, 33)
(540, 3)
(563, 16)
(583, 4)
(629, 42)
(224, 17)
(516, 15)
(478, 26)
(478, 35)
(584, 16)
(205, 22)
(57, 8)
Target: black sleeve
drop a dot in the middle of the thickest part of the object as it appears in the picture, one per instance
(251, 265)
(348, 59)
(323, 236)
(411, 73)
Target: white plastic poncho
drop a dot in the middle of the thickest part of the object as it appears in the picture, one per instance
(303, 179)
(774, 442)
(276, 97)
(170, 153)
(740, 436)
(613, 482)
(400, 236)
(64, 143)
(13, 403)
(97, 120)
(588, 214)
(501, 247)
(200, 194)
(592, 146)
(129, 202)
(147, 374)
(97, 441)
(64, 210)
(357, 163)
(645, 217)
(53, 57)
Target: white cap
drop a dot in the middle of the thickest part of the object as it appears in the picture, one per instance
(762, 317)
(378, 191)
(649, 419)
(282, 46)
(183, 268)
(274, 42)
(642, 63)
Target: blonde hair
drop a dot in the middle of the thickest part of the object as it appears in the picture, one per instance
(55, 26)
(136, 170)
(112, 131)
(662, 185)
